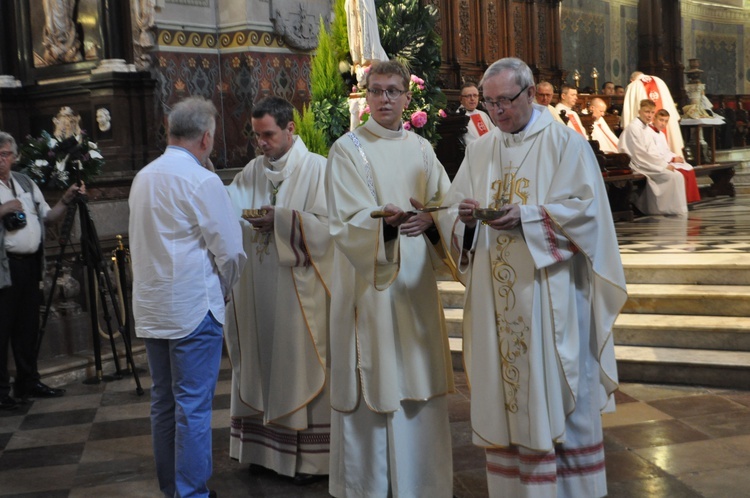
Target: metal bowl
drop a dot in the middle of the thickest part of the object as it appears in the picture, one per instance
(488, 214)
(250, 214)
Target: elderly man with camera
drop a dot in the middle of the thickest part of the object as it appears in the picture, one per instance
(24, 213)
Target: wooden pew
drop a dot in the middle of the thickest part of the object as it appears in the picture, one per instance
(721, 175)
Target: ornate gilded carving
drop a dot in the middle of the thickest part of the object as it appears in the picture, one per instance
(493, 31)
(438, 18)
(144, 18)
(518, 31)
(245, 38)
(542, 21)
(464, 18)
(61, 42)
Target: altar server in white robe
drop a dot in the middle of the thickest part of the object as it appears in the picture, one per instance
(390, 358)
(568, 99)
(277, 321)
(600, 130)
(643, 86)
(665, 188)
(660, 124)
(544, 284)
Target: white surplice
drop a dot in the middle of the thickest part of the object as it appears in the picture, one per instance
(662, 145)
(602, 133)
(540, 304)
(388, 341)
(574, 121)
(472, 133)
(277, 320)
(654, 88)
(665, 190)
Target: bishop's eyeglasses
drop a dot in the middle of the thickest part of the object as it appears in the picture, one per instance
(503, 102)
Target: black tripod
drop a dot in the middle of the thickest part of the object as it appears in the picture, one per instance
(97, 278)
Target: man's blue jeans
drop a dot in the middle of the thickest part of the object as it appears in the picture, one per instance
(184, 374)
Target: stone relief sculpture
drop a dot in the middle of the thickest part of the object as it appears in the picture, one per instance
(61, 43)
(144, 20)
(297, 22)
(67, 124)
(103, 119)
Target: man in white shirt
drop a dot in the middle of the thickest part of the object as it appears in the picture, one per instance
(277, 323)
(23, 216)
(665, 189)
(600, 130)
(568, 99)
(186, 249)
(544, 93)
(479, 122)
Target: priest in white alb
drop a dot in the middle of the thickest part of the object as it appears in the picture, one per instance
(277, 321)
(391, 369)
(600, 130)
(665, 187)
(479, 122)
(643, 86)
(544, 93)
(530, 233)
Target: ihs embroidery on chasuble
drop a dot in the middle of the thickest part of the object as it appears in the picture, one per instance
(510, 190)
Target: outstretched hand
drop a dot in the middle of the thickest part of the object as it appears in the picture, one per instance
(418, 223)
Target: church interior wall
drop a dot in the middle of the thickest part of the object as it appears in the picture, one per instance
(718, 36)
(188, 12)
(233, 69)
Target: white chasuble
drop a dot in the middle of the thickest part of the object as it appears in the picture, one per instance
(534, 291)
(277, 320)
(388, 340)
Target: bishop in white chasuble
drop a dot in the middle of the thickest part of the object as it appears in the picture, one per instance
(542, 294)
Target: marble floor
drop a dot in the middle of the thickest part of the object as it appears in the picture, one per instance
(663, 441)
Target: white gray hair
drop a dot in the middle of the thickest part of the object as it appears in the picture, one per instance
(522, 73)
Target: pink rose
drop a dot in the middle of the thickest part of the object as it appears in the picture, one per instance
(442, 113)
(419, 119)
(407, 125)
